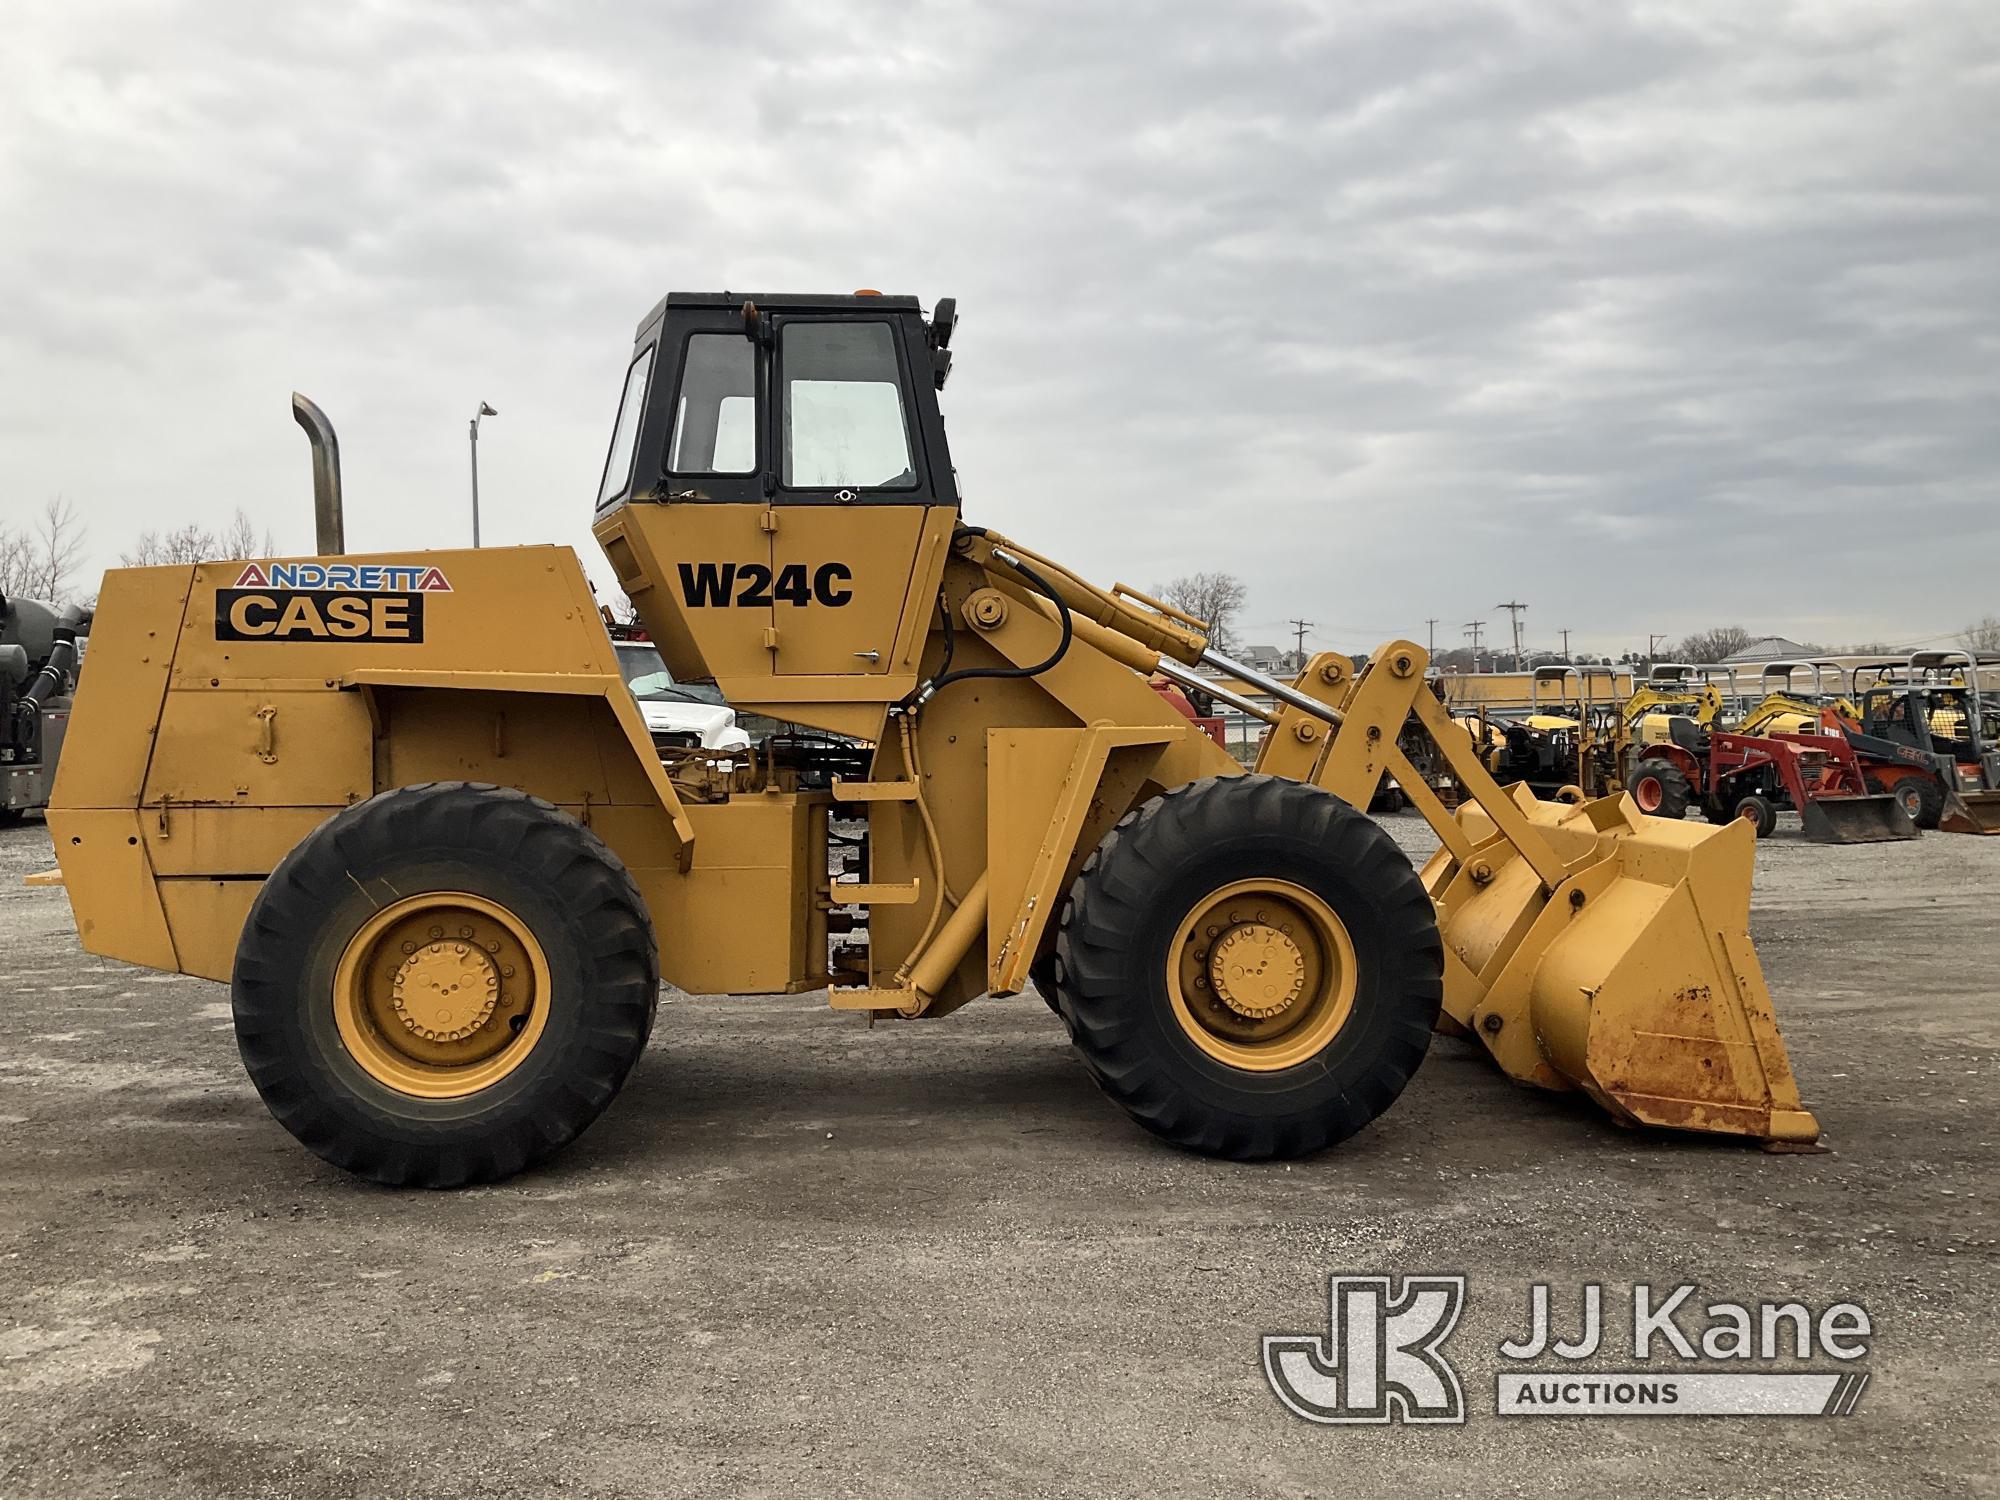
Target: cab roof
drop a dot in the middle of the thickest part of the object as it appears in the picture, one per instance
(787, 301)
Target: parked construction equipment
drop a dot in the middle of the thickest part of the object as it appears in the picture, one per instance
(40, 657)
(1749, 777)
(1927, 736)
(445, 879)
(1783, 709)
(1668, 745)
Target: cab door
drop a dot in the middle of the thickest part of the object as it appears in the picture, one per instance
(850, 494)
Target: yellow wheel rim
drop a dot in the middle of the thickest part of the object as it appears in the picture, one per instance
(441, 995)
(1262, 975)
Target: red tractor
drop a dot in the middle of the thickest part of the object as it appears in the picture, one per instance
(1750, 776)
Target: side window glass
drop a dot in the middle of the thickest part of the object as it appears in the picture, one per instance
(843, 421)
(618, 463)
(715, 420)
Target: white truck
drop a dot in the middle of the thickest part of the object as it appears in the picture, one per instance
(679, 716)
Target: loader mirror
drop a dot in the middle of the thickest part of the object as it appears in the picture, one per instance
(944, 322)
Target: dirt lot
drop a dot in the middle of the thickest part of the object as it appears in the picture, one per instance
(799, 1256)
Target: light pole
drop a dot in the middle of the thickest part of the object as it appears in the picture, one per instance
(484, 411)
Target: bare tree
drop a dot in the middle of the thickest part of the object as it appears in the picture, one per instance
(239, 539)
(1982, 636)
(41, 561)
(1714, 644)
(1214, 597)
(193, 543)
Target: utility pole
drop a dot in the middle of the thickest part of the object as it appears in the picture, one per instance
(1472, 628)
(1565, 636)
(1299, 629)
(1433, 624)
(1653, 648)
(1514, 613)
(484, 411)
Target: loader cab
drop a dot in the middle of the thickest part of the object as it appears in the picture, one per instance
(784, 400)
(777, 497)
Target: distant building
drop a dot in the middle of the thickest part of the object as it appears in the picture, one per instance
(1770, 648)
(1269, 660)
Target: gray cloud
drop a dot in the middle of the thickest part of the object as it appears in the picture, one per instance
(1652, 315)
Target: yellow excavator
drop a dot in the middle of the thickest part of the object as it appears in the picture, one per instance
(1783, 709)
(407, 807)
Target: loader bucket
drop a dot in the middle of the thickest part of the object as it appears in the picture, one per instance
(1633, 980)
(1971, 812)
(1856, 820)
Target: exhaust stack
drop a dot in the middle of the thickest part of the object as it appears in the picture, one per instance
(328, 522)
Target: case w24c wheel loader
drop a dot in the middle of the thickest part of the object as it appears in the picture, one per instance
(407, 807)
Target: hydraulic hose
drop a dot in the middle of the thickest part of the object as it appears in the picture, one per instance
(1041, 586)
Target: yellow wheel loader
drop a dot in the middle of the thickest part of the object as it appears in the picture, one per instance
(406, 805)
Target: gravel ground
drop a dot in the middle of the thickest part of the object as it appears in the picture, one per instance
(802, 1257)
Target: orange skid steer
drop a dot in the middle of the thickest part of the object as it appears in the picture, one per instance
(444, 876)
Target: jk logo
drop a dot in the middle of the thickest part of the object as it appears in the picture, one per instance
(1380, 1361)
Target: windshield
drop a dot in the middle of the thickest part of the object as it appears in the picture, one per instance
(649, 678)
(618, 463)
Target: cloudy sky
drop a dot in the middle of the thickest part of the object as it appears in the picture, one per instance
(1654, 316)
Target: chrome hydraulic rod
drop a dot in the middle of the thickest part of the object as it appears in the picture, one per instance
(1175, 672)
(1283, 692)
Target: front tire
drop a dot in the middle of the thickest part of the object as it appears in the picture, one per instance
(1922, 800)
(1250, 968)
(1758, 811)
(444, 984)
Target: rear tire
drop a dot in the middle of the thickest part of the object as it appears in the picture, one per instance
(444, 984)
(1042, 975)
(1324, 902)
(1660, 788)
(1758, 811)
(1920, 797)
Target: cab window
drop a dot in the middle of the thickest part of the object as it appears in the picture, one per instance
(618, 463)
(842, 421)
(715, 419)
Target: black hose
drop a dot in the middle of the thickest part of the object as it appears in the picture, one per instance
(55, 673)
(1041, 586)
